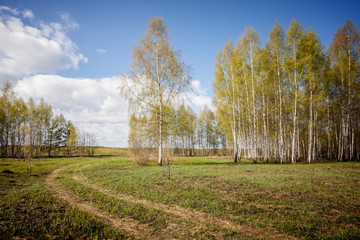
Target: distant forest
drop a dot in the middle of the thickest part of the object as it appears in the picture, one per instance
(29, 130)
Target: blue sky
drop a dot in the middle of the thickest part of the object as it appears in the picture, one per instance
(99, 36)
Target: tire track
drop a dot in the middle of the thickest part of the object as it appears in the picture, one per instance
(130, 226)
(193, 215)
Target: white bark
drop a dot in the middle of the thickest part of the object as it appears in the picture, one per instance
(254, 109)
(293, 147)
(310, 148)
(281, 147)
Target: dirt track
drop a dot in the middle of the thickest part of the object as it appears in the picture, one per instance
(130, 226)
(137, 229)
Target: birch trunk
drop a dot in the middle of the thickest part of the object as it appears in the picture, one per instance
(310, 127)
(347, 125)
(293, 146)
(281, 143)
(328, 129)
(254, 110)
(343, 134)
(248, 117)
(265, 149)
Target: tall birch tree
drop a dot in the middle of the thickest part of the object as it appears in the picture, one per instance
(226, 91)
(276, 44)
(293, 39)
(157, 75)
(313, 61)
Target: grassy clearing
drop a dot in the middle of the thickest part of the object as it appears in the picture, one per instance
(318, 201)
(306, 201)
(162, 225)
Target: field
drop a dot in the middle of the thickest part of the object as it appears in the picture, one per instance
(194, 198)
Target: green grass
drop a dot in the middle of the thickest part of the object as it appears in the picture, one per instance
(306, 201)
(29, 210)
(157, 220)
(317, 201)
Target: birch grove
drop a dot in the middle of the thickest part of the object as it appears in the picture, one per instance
(290, 100)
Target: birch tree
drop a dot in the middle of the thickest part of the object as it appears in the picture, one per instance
(225, 87)
(250, 43)
(313, 60)
(345, 53)
(276, 45)
(293, 39)
(157, 76)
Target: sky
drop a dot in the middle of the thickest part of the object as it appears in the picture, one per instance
(73, 53)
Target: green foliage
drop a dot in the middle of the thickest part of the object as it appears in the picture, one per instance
(157, 77)
(289, 99)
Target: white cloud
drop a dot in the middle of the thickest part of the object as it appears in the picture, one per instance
(108, 134)
(200, 101)
(30, 49)
(28, 14)
(197, 87)
(69, 23)
(5, 8)
(101, 50)
(94, 105)
(199, 97)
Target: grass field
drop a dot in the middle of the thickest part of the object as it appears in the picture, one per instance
(196, 198)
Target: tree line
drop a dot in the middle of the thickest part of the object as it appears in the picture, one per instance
(287, 101)
(185, 133)
(29, 130)
(290, 99)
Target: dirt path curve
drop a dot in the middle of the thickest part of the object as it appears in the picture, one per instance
(130, 226)
(183, 213)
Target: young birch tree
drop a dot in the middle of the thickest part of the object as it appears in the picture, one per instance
(251, 42)
(276, 45)
(225, 89)
(157, 75)
(312, 57)
(293, 39)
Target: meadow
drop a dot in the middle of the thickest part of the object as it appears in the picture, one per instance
(193, 198)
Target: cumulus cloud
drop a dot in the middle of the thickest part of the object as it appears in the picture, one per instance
(38, 48)
(93, 105)
(199, 102)
(108, 134)
(199, 97)
(101, 50)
